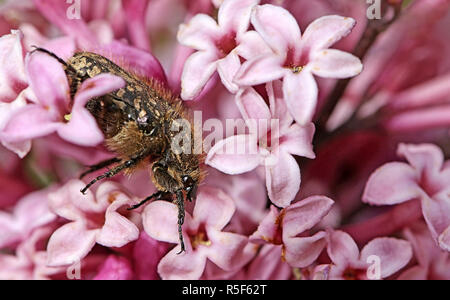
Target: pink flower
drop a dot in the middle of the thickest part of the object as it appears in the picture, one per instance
(272, 144)
(217, 44)
(348, 263)
(95, 219)
(148, 252)
(51, 110)
(296, 58)
(29, 213)
(288, 230)
(432, 262)
(203, 235)
(267, 265)
(426, 177)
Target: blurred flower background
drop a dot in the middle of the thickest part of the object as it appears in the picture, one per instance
(360, 187)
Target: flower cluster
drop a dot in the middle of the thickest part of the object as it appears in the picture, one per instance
(341, 172)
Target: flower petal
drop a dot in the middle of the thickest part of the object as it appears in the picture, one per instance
(327, 30)
(213, 208)
(436, 212)
(252, 45)
(305, 214)
(234, 155)
(186, 266)
(235, 15)
(200, 33)
(115, 268)
(426, 158)
(390, 184)
(227, 68)
(69, 244)
(198, 69)
(262, 69)
(300, 93)
(254, 110)
(278, 107)
(282, 179)
(227, 250)
(298, 140)
(393, 254)
(301, 252)
(332, 63)
(268, 265)
(342, 249)
(268, 229)
(277, 27)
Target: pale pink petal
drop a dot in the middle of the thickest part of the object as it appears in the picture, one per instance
(160, 221)
(297, 140)
(252, 45)
(393, 254)
(327, 30)
(390, 184)
(69, 244)
(227, 68)
(227, 249)
(300, 93)
(49, 82)
(277, 27)
(12, 70)
(198, 69)
(278, 107)
(213, 208)
(436, 212)
(234, 155)
(186, 266)
(301, 252)
(305, 214)
(82, 128)
(424, 157)
(268, 229)
(235, 15)
(200, 33)
(444, 239)
(282, 179)
(262, 69)
(342, 249)
(117, 230)
(332, 63)
(254, 110)
(268, 265)
(29, 122)
(115, 268)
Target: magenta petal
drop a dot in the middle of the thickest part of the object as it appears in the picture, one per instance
(394, 254)
(298, 140)
(283, 179)
(305, 214)
(332, 63)
(327, 30)
(301, 252)
(213, 208)
(300, 93)
(227, 68)
(146, 269)
(342, 249)
(198, 69)
(69, 244)
(29, 122)
(234, 155)
(160, 221)
(415, 273)
(187, 266)
(262, 69)
(277, 27)
(390, 184)
(135, 12)
(115, 268)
